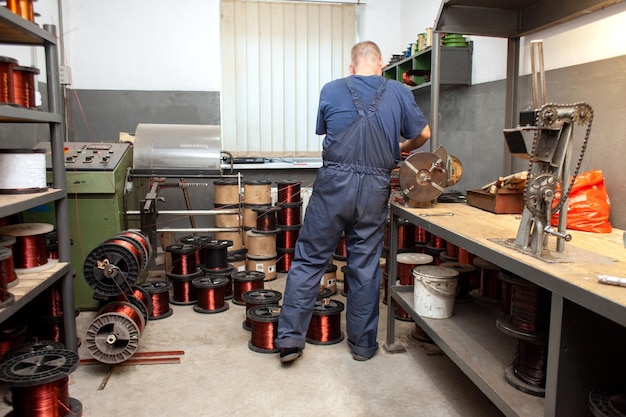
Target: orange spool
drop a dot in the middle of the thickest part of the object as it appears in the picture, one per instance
(24, 86)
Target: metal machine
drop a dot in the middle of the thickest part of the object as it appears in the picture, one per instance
(549, 180)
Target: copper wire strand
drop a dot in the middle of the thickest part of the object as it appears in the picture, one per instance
(210, 299)
(324, 327)
(286, 239)
(183, 291)
(263, 334)
(30, 251)
(47, 400)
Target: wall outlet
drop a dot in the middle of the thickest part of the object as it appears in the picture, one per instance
(65, 75)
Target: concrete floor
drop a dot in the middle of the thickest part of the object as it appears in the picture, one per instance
(219, 375)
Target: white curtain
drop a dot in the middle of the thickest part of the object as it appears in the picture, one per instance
(276, 56)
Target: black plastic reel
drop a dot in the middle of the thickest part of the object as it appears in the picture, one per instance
(110, 269)
(607, 404)
(142, 243)
(145, 309)
(38, 367)
(263, 314)
(515, 382)
(503, 323)
(259, 297)
(327, 308)
(209, 282)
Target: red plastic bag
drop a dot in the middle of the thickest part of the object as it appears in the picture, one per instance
(588, 205)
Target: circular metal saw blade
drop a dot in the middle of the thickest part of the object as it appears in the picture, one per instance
(423, 176)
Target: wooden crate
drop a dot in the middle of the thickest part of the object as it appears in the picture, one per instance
(503, 202)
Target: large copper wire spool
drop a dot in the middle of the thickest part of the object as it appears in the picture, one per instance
(39, 383)
(23, 8)
(287, 237)
(113, 335)
(226, 193)
(211, 292)
(183, 292)
(290, 214)
(7, 85)
(529, 312)
(288, 192)
(256, 298)
(267, 265)
(244, 282)
(159, 292)
(227, 273)
(284, 259)
(9, 264)
(261, 245)
(405, 263)
(24, 86)
(216, 255)
(490, 288)
(183, 259)
(263, 328)
(266, 221)
(325, 325)
(257, 192)
(30, 253)
(200, 242)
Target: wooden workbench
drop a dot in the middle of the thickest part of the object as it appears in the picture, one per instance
(587, 322)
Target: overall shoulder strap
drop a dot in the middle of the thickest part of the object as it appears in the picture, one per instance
(355, 98)
(379, 94)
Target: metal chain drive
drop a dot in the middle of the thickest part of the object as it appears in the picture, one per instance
(546, 116)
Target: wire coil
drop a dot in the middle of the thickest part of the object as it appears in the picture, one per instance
(256, 298)
(184, 259)
(245, 281)
(216, 254)
(325, 325)
(6, 256)
(288, 192)
(160, 298)
(289, 215)
(287, 237)
(183, 293)
(263, 328)
(210, 291)
(12, 278)
(284, 259)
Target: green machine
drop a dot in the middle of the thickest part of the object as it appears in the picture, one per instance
(96, 178)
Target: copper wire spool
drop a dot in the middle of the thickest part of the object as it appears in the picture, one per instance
(438, 242)
(325, 325)
(284, 259)
(50, 302)
(435, 253)
(266, 219)
(226, 272)
(183, 293)
(139, 298)
(23, 8)
(160, 297)
(7, 86)
(245, 281)
(216, 254)
(421, 235)
(250, 214)
(257, 192)
(12, 335)
(452, 250)
(24, 86)
(256, 298)
(113, 336)
(341, 249)
(263, 328)
(405, 235)
(199, 242)
(490, 288)
(39, 383)
(210, 291)
(529, 306)
(30, 249)
(184, 259)
(9, 264)
(287, 237)
(288, 192)
(141, 242)
(6, 298)
(289, 215)
(530, 366)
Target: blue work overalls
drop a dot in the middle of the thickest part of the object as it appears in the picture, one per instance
(350, 195)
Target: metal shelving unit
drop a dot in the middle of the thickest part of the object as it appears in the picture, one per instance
(18, 31)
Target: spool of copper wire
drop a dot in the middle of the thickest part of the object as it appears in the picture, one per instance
(257, 192)
(246, 281)
(24, 86)
(528, 372)
(200, 243)
(490, 289)
(7, 86)
(23, 8)
(227, 273)
(210, 291)
(183, 293)
(438, 242)
(250, 215)
(39, 383)
(9, 264)
(50, 302)
(113, 336)
(284, 259)
(325, 325)
(6, 298)
(287, 237)
(288, 192)
(290, 214)
(421, 235)
(266, 219)
(29, 250)
(263, 328)
(405, 235)
(405, 263)
(12, 335)
(160, 296)
(259, 297)
(184, 258)
(529, 311)
(452, 250)
(139, 298)
(465, 272)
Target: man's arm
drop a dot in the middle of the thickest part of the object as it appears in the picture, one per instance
(411, 144)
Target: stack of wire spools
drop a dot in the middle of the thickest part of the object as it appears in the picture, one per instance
(260, 228)
(527, 320)
(227, 196)
(17, 83)
(289, 200)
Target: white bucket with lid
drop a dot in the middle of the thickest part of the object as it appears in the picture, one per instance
(434, 290)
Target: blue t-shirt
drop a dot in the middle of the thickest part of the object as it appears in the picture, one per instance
(397, 112)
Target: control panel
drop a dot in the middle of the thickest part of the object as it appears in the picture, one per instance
(88, 156)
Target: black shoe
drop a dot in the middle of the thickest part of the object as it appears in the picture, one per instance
(290, 354)
(359, 358)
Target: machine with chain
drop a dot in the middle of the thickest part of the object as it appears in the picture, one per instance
(549, 180)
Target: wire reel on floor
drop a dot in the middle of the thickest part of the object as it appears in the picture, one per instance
(114, 266)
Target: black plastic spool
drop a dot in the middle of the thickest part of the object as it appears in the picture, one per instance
(260, 297)
(216, 254)
(118, 257)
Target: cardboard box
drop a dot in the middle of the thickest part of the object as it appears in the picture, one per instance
(503, 202)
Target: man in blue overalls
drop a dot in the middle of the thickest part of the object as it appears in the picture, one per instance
(363, 117)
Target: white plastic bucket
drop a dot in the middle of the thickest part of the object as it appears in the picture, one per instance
(434, 290)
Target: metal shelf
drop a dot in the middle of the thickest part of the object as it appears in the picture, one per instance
(15, 203)
(13, 114)
(15, 29)
(510, 18)
(472, 341)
